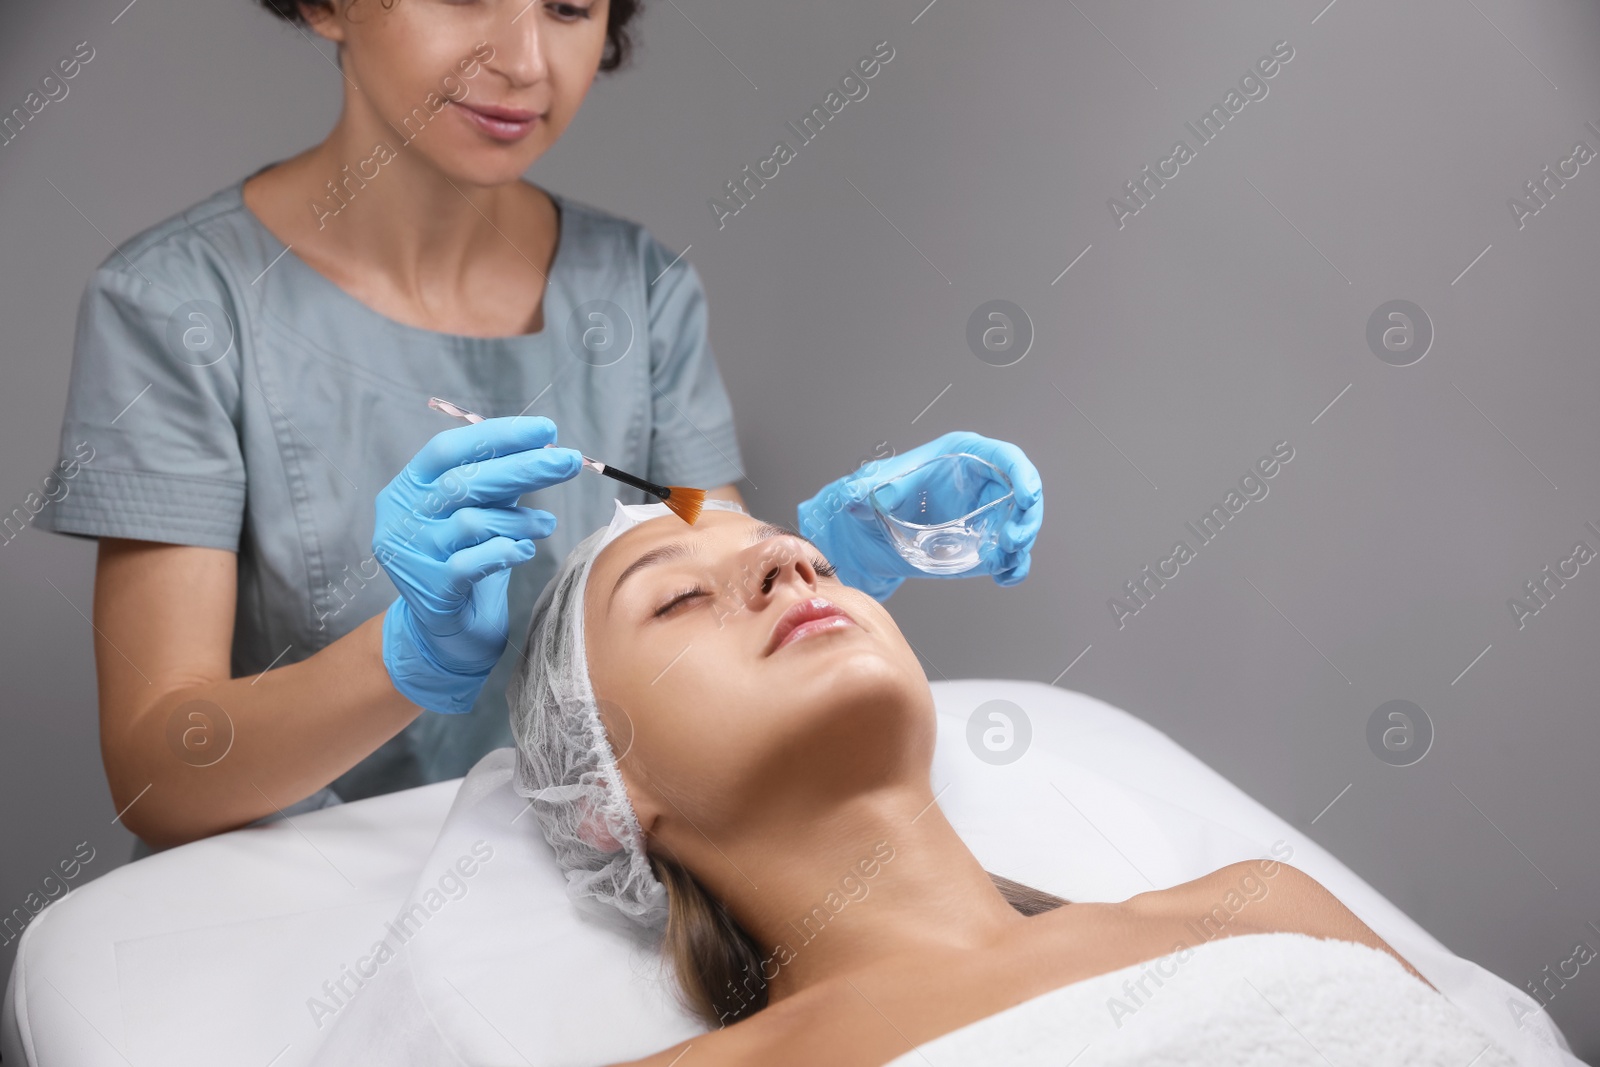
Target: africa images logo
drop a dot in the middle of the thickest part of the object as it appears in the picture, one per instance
(1142, 589)
(1252, 86)
(853, 86)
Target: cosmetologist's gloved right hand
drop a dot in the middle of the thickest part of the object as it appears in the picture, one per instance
(448, 532)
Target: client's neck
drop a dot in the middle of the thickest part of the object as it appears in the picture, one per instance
(828, 893)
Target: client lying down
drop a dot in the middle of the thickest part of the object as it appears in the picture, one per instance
(718, 735)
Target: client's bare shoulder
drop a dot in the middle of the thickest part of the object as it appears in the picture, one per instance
(1259, 896)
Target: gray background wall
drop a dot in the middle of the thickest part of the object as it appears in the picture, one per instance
(1223, 318)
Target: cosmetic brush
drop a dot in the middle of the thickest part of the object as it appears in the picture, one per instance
(681, 500)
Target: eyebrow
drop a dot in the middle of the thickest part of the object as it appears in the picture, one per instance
(673, 550)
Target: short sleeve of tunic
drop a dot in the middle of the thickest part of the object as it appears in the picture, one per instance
(152, 410)
(692, 435)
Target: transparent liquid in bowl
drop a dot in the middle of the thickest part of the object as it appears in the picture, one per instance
(942, 551)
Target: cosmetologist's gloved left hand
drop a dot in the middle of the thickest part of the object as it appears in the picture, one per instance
(841, 522)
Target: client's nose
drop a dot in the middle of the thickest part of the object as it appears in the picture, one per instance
(773, 564)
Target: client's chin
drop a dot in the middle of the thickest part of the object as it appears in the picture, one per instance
(866, 706)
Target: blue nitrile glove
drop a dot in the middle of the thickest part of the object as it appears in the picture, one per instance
(840, 520)
(448, 532)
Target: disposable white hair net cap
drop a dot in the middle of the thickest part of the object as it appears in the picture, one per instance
(565, 764)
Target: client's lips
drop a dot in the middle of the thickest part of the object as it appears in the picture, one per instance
(814, 615)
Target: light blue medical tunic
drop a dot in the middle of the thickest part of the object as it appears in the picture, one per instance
(237, 399)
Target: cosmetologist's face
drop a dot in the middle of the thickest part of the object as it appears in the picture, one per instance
(735, 670)
(479, 88)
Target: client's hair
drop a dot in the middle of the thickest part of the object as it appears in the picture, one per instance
(718, 964)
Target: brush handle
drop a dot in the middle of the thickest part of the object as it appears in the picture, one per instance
(595, 465)
(625, 478)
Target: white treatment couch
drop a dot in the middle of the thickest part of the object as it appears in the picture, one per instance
(212, 953)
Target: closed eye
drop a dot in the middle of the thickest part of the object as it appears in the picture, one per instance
(818, 564)
(679, 598)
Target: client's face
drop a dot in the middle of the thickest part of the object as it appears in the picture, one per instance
(734, 672)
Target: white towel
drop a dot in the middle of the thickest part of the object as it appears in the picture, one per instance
(1243, 1000)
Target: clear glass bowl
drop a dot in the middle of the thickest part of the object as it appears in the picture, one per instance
(929, 515)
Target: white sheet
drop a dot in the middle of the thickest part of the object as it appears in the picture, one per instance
(213, 953)
(1285, 999)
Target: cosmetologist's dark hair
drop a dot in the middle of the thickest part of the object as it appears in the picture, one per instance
(619, 45)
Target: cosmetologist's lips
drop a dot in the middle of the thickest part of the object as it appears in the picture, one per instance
(500, 123)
